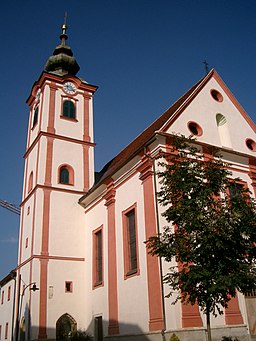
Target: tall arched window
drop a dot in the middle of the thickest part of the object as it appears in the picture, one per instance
(35, 117)
(222, 125)
(66, 175)
(69, 109)
(30, 182)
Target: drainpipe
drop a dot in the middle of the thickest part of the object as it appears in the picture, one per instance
(158, 232)
(18, 309)
(14, 300)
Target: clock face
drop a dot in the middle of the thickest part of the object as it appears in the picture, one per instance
(69, 88)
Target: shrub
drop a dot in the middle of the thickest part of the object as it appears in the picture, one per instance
(174, 337)
(81, 335)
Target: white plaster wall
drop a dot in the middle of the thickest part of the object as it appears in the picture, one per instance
(132, 292)
(67, 127)
(91, 130)
(24, 299)
(6, 309)
(61, 302)
(27, 228)
(203, 110)
(66, 230)
(34, 298)
(45, 99)
(96, 298)
(91, 167)
(38, 221)
(42, 160)
(65, 152)
(31, 167)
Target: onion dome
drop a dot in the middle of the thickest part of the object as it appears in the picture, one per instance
(62, 61)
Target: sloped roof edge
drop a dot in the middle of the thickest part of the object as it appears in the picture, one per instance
(160, 124)
(132, 148)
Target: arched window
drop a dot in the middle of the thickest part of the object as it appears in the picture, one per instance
(35, 117)
(195, 128)
(69, 109)
(66, 175)
(223, 129)
(30, 182)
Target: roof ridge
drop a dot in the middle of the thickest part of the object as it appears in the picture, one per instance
(132, 148)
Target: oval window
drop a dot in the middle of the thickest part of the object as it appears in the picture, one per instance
(195, 128)
(216, 95)
(251, 145)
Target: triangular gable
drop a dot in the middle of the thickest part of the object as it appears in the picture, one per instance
(200, 85)
(164, 122)
(129, 151)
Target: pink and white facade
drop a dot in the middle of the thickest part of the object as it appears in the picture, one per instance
(82, 241)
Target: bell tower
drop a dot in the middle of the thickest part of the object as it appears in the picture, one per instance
(59, 169)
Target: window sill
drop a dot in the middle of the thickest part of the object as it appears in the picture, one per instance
(71, 119)
(65, 184)
(98, 284)
(34, 126)
(132, 273)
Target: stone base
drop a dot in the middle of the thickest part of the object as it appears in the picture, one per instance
(188, 334)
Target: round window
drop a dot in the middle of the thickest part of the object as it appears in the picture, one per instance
(216, 95)
(195, 128)
(251, 145)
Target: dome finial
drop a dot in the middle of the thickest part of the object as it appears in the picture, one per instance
(64, 28)
(62, 61)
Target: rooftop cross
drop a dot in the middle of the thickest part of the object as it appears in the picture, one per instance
(206, 66)
(64, 28)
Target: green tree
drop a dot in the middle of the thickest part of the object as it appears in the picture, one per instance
(211, 235)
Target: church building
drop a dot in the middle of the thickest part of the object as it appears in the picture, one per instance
(82, 259)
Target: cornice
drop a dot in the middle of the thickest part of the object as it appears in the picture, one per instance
(55, 136)
(51, 188)
(47, 76)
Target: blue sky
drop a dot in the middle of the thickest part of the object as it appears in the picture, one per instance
(143, 55)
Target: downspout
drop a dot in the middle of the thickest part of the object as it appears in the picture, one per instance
(158, 232)
(18, 309)
(13, 307)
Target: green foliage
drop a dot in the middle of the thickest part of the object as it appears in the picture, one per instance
(210, 239)
(174, 337)
(81, 335)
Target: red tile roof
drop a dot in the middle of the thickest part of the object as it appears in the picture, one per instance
(139, 142)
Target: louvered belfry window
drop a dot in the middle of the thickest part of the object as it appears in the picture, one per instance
(69, 109)
(132, 247)
(35, 118)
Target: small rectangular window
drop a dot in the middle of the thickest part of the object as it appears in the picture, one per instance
(0, 332)
(6, 331)
(2, 297)
(68, 286)
(98, 257)
(130, 242)
(9, 293)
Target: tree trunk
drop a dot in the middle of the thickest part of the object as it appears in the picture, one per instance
(209, 334)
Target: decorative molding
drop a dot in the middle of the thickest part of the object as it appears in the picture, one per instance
(58, 137)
